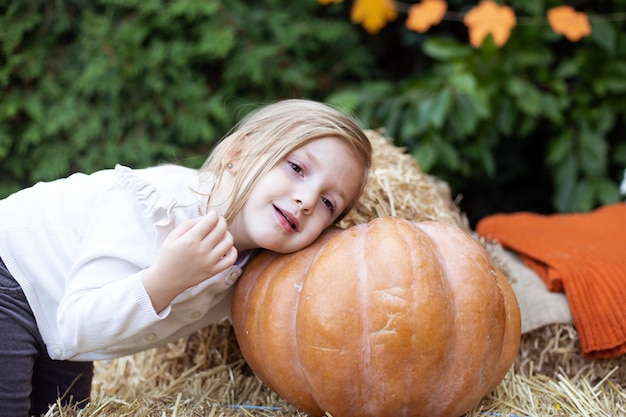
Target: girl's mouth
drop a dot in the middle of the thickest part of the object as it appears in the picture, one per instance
(287, 219)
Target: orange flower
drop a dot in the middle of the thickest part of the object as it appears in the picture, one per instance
(373, 14)
(489, 18)
(426, 14)
(567, 21)
(326, 2)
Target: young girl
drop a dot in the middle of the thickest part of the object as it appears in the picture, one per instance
(104, 265)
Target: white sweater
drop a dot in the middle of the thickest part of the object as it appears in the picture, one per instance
(78, 247)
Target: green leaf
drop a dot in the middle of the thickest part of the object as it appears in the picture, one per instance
(463, 115)
(619, 153)
(603, 33)
(610, 85)
(347, 99)
(505, 116)
(551, 108)
(215, 42)
(449, 156)
(584, 197)
(605, 119)
(464, 83)
(593, 153)
(445, 49)
(424, 110)
(606, 191)
(414, 122)
(488, 161)
(394, 116)
(56, 157)
(440, 108)
(193, 9)
(426, 155)
(5, 143)
(15, 22)
(567, 68)
(531, 7)
(560, 148)
(528, 98)
(565, 174)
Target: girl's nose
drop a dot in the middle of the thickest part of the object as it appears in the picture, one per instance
(306, 200)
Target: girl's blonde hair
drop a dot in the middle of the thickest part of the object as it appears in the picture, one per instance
(265, 136)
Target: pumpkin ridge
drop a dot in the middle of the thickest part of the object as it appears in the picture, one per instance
(512, 323)
(459, 382)
(263, 286)
(309, 330)
(329, 235)
(430, 253)
(297, 350)
(417, 256)
(411, 297)
(469, 268)
(369, 241)
(246, 305)
(447, 364)
(393, 318)
(359, 252)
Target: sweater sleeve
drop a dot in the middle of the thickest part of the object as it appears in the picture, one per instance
(106, 316)
(582, 255)
(105, 302)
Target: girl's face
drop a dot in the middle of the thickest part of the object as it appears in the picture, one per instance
(300, 197)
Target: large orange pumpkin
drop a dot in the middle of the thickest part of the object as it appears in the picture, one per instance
(388, 318)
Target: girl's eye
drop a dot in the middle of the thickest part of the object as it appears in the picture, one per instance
(328, 204)
(297, 168)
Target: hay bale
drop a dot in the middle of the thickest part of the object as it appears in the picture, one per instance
(398, 187)
(205, 374)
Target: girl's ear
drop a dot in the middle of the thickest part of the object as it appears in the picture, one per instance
(230, 162)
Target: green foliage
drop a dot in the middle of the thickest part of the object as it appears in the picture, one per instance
(88, 84)
(459, 108)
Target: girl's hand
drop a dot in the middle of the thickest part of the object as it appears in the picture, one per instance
(193, 252)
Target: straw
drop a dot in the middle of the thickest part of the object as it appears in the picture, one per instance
(206, 375)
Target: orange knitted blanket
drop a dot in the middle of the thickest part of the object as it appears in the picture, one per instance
(581, 254)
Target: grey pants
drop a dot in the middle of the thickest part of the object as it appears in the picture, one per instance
(29, 380)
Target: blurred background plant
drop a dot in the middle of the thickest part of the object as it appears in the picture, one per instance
(88, 84)
(536, 124)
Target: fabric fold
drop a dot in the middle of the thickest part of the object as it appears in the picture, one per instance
(582, 255)
(155, 206)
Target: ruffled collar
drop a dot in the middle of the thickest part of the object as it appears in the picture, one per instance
(190, 195)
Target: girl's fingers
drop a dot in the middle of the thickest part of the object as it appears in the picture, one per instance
(185, 227)
(224, 245)
(213, 234)
(229, 258)
(205, 225)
